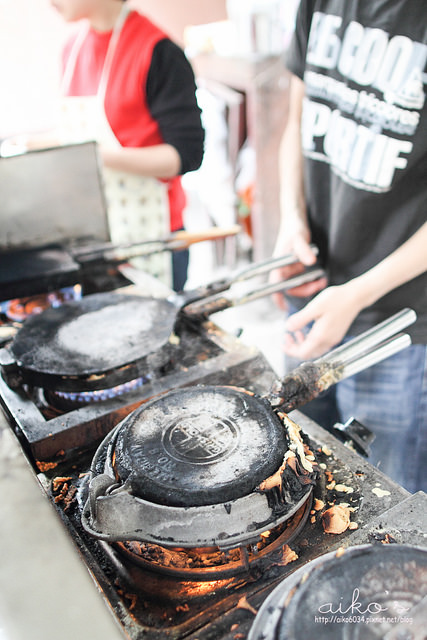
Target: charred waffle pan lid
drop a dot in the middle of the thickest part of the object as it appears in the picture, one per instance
(98, 333)
(199, 466)
(199, 446)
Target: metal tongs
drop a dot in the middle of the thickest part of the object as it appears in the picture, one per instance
(308, 380)
(211, 299)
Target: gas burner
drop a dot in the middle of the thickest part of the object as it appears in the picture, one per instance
(216, 455)
(20, 309)
(65, 401)
(54, 425)
(154, 595)
(365, 592)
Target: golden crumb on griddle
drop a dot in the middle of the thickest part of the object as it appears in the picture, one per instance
(289, 555)
(59, 481)
(244, 604)
(46, 466)
(318, 505)
(336, 519)
(342, 488)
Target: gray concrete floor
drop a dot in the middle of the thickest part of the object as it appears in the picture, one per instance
(262, 325)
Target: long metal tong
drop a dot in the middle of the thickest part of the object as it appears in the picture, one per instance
(308, 380)
(212, 298)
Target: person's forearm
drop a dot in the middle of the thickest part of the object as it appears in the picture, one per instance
(159, 161)
(401, 266)
(294, 234)
(335, 308)
(292, 199)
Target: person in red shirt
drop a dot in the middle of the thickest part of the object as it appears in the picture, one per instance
(128, 86)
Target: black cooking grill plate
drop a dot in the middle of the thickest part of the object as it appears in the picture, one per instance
(96, 334)
(198, 446)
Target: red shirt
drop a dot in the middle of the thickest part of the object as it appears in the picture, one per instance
(126, 100)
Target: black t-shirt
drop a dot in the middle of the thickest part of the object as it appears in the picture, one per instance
(365, 138)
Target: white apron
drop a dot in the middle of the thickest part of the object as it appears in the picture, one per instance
(137, 206)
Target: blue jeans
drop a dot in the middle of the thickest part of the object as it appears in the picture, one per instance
(390, 399)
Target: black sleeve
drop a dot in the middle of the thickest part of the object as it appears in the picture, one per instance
(172, 102)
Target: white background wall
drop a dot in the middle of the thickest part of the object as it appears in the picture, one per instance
(31, 37)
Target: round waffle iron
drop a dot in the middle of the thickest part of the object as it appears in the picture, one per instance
(108, 339)
(370, 592)
(97, 342)
(198, 467)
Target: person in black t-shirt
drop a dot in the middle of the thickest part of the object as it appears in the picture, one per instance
(353, 171)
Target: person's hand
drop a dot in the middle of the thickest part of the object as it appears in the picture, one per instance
(296, 242)
(331, 312)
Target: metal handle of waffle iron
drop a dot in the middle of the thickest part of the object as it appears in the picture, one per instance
(207, 293)
(372, 346)
(265, 266)
(219, 302)
(176, 241)
(307, 381)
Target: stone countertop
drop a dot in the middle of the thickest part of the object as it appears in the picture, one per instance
(46, 592)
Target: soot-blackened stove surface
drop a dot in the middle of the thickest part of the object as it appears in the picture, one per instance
(380, 506)
(28, 272)
(153, 606)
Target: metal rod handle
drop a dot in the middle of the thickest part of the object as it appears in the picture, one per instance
(268, 289)
(265, 266)
(220, 302)
(378, 354)
(371, 338)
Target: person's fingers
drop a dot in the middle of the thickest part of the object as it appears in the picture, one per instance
(297, 321)
(308, 289)
(303, 251)
(280, 301)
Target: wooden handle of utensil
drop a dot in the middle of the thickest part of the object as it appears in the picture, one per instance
(187, 238)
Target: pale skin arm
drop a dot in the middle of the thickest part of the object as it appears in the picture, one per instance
(159, 161)
(294, 234)
(335, 308)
